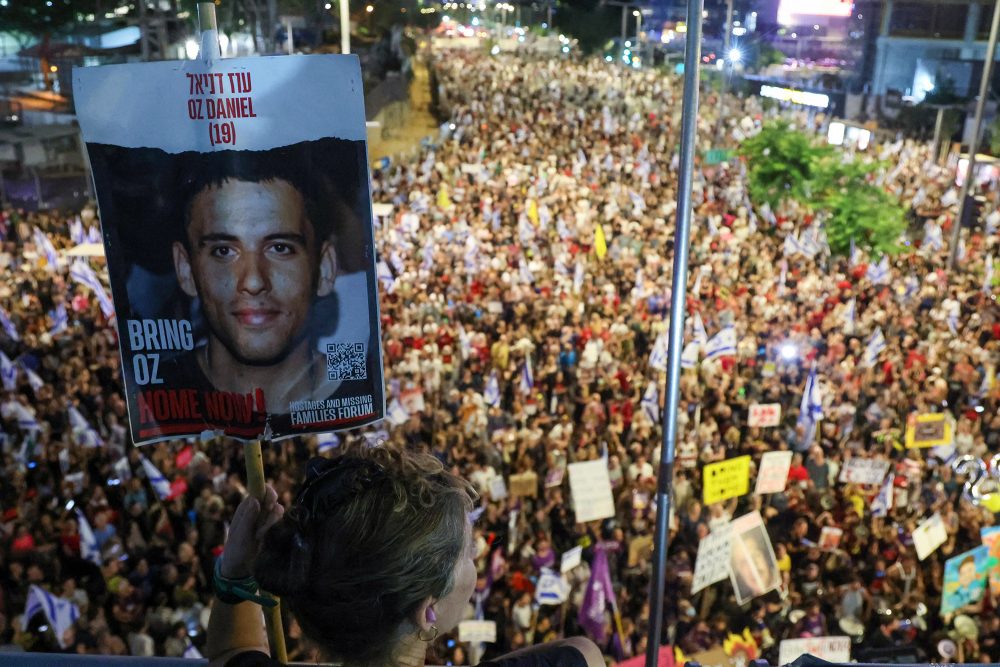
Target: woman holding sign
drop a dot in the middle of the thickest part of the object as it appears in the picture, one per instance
(374, 559)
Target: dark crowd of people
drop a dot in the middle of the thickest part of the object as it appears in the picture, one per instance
(524, 288)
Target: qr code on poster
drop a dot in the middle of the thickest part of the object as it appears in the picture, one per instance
(346, 361)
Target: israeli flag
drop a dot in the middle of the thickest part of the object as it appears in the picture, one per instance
(700, 334)
(160, 483)
(491, 393)
(60, 613)
(988, 276)
(689, 357)
(933, 236)
(651, 402)
(911, 288)
(810, 410)
(853, 257)
(878, 274)
(8, 373)
(952, 322)
(527, 377)
(658, 355)
(94, 235)
(722, 344)
(883, 501)
(850, 313)
(83, 274)
(562, 229)
(60, 319)
(874, 347)
(84, 433)
(88, 543)
(384, 275)
(122, 469)
(638, 204)
(76, 233)
(578, 277)
(327, 441)
(26, 420)
(36, 382)
(791, 246)
(428, 256)
(395, 413)
(8, 326)
(768, 214)
(524, 271)
(809, 245)
(46, 248)
(552, 588)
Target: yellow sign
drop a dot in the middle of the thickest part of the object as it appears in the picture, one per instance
(929, 430)
(726, 479)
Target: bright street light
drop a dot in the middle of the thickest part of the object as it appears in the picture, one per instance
(735, 55)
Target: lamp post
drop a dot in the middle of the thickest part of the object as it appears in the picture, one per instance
(638, 31)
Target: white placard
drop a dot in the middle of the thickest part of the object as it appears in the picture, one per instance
(498, 488)
(764, 415)
(772, 476)
(590, 487)
(382, 210)
(477, 631)
(832, 649)
(712, 563)
(571, 559)
(867, 472)
(929, 535)
(552, 588)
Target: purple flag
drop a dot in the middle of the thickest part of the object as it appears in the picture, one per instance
(599, 594)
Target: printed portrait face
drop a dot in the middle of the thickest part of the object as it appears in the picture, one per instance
(253, 260)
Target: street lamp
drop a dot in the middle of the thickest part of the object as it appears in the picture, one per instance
(638, 31)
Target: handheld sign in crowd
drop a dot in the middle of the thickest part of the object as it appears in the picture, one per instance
(712, 562)
(726, 479)
(867, 472)
(929, 430)
(477, 631)
(831, 649)
(764, 415)
(772, 476)
(590, 486)
(237, 224)
(571, 559)
(929, 535)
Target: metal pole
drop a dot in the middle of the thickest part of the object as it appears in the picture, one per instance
(678, 294)
(938, 124)
(727, 69)
(977, 128)
(345, 27)
(624, 8)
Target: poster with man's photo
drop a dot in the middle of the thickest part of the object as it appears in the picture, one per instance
(753, 566)
(236, 212)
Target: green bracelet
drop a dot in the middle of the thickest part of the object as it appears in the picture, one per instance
(235, 591)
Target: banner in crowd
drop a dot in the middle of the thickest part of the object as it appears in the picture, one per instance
(929, 430)
(991, 540)
(867, 472)
(764, 415)
(772, 475)
(590, 486)
(831, 649)
(964, 579)
(477, 631)
(570, 559)
(712, 562)
(829, 538)
(524, 485)
(237, 226)
(726, 479)
(928, 536)
(753, 567)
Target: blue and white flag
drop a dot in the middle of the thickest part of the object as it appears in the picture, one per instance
(88, 543)
(59, 612)
(853, 257)
(878, 274)
(26, 420)
(160, 483)
(527, 377)
(658, 355)
(952, 321)
(83, 274)
(810, 410)
(94, 235)
(60, 319)
(84, 433)
(46, 249)
(638, 203)
(8, 326)
(768, 214)
(524, 272)
(722, 344)
(791, 246)
(874, 347)
(36, 382)
(689, 357)
(911, 287)
(883, 501)
(385, 277)
(327, 441)
(552, 588)
(8, 373)
(651, 402)
(850, 313)
(578, 277)
(933, 236)
(809, 244)
(76, 233)
(700, 334)
(491, 393)
(395, 413)
(988, 276)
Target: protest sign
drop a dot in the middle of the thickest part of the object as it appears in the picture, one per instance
(726, 479)
(571, 559)
(867, 472)
(498, 490)
(552, 588)
(829, 538)
(753, 568)
(929, 535)
(964, 579)
(929, 430)
(524, 485)
(554, 477)
(991, 540)
(590, 486)
(772, 475)
(831, 649)
(712, 562)
(764, 415)
(237, 226)
(477, 631)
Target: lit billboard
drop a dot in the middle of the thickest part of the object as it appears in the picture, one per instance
(795, 12)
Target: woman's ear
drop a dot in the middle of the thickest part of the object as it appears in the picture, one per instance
(425, 616)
